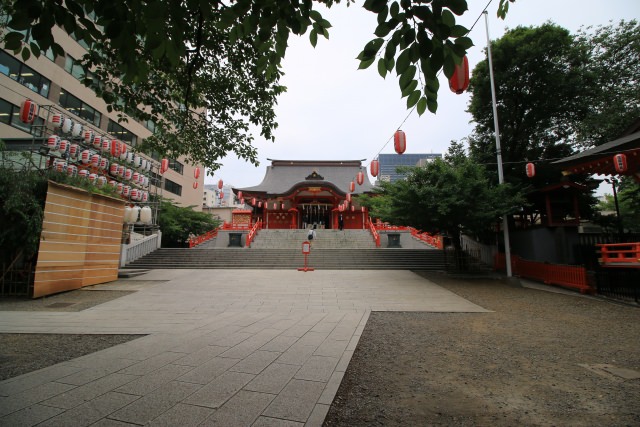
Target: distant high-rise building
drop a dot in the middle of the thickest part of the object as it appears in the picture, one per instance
(390, 162)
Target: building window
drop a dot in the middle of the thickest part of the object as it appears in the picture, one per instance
(121, 133)
(150, 125)
(172, 187)
(76, 106)
(176, 166)
(72, 67)
(23, 74)
(10, 115)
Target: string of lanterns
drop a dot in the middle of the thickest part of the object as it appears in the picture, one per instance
(78, 151)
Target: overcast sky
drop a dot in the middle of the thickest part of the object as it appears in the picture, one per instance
(333, 111)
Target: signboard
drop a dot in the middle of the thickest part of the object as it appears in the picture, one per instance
(306, 248)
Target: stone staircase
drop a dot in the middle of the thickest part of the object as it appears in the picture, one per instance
(282, 249)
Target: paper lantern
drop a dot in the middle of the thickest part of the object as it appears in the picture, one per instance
(114, 148)
(126, 191)
(64, 146)
(101, 181)
(127, 214)
(400, 141)
(196, 173)
(119, 188)
(134, 193)
(72, 170)
(113, 183)
(375, 168)
(113, 169)
(137, 161)
(348, 197)
(57, 120)
(531, 170)
(145, 196)
(620, 162)
(253, 201)
(60, 165)
(74, 149)
(145, 215)
(164, 165)
(282, 206)
(143, 165)
(360, 178)
(87, 135)
(128, 174)
(53, 142)
(93, 177)
(97, 142)
(136, 177)
(83, 173)
(260, 204)
(28, 111)
(195, 185)
(352, 186)
(459, 81)
(76, 130)
(240, 195)
(67, 124)
(275, 206)
(121, 171)
(85, 157)
(131, 158)
(95, 160)
(341, 208)
(220, 184)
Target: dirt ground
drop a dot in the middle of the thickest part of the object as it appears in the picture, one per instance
(540, 358)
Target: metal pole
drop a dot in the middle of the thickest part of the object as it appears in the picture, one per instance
(615, 200)
(505, 223)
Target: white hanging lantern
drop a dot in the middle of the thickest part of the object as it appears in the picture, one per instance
(74, 149)
(85, 157)
(128, 174)
(83, 173)
(145, 196)
(67, 124)
(119, 188)
(93, 177)
(95, 160)
(101, 181)
(104, 164)
(72, 170)
(126, 191)
(76, 130)
(96, 142)
(57, 120)
(137, 161)
(87, 135)
(53, 142)
(127, 214)
(121, 170)
(113, 169)
(145, 215)
(134, 193)
(105, 145)
(130, 157)
(133, 215)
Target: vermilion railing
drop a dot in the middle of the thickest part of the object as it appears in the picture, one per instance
(195, 241)
(620, 254)
(429, 239)
(232, 226)
(571, 276)
(374, 233)
(252, 233)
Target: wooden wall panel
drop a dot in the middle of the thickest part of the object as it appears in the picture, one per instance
(80, 241)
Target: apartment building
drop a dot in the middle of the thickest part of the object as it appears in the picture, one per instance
(54, 84)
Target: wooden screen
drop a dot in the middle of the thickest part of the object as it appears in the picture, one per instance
(80, 241)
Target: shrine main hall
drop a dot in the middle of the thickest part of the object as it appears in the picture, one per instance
(307, 193)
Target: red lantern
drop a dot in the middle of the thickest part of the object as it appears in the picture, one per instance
(275, 206)
(400, 141)
(282, 206)
(115, 148)
(242, 201)
(28, 111)
(620, 162)
(164, 165)
(195, 185)
(459, 82)
(348, 197)
(360, 178)
(353, 208)
(253, 201)
(196, 173)
(220, 183)
(260, 204)
(221, 195)
(352, 186)
(531, 170)
(341, 208)
(375, 168)
(239, 194)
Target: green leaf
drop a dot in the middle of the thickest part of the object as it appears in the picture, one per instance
(383, 30)
(422, 106)
(410, 88)
(390, 50)
(458, 31)
(313, 38)
(371, 49)
(365, 63)
(375, 6)
(315, 15)
(448, 19)
(382, 67)
(457, 6)
(465, 42)
(413, 98)
(404, 60)
(389, 62)
(407, 76)
(35, 49)
(422, 12)
(395, 9)
(382, 16)
(432, 105)
(26, 54)
(449, 66)
(13, 41)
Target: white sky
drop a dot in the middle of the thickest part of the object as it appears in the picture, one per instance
(332, 110)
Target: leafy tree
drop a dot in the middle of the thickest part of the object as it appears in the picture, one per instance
(612, 91)
(206, 71)
(538, 72)
(447, 196)
(177, 222)
(628, 193)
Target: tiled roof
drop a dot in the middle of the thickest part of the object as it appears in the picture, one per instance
(283, 176)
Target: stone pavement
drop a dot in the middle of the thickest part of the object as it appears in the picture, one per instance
(224, 347)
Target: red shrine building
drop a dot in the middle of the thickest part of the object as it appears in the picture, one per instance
(307, 193)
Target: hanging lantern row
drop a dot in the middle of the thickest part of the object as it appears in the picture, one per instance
(133, 214)
(375, 167)
(459, 81)
(620, 163)
(399, 141)
(531, 170)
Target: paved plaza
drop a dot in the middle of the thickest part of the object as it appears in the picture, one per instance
(222, 347)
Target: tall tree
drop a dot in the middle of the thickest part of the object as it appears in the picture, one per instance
(539, 79)
(205, 71)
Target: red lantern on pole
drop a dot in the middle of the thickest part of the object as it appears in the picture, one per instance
(220, 184)
(164, 165)
(459, 81)
(531, 170)
(196, 173)
(400, 141)
(375, 168)
(620, 162)
(360, 178)
(28, 111)
(352, 186)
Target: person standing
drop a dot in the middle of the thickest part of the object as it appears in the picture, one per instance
(340, 222)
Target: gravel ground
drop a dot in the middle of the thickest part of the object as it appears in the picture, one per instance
(24, 353)
(540, 358)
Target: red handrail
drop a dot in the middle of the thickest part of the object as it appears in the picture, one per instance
(254, 230)
(374, 233)
(195, 241)
(234, 226)
(624, 254)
